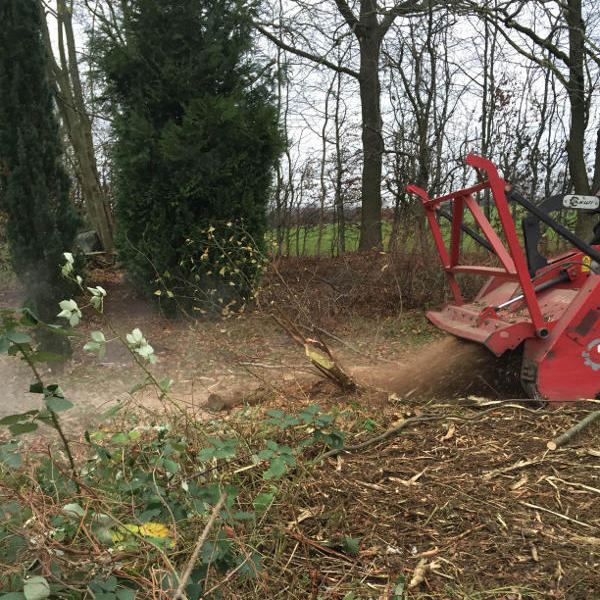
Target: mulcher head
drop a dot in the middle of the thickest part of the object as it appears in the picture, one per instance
(550, 307)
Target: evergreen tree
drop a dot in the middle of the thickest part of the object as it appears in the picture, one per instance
(34, 187)
(196, 137)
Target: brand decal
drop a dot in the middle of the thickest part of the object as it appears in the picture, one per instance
(594, 346)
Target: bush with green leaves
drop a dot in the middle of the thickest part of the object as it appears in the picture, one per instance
(118, 518)
(196, 138)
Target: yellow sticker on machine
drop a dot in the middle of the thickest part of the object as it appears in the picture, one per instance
(585, 267)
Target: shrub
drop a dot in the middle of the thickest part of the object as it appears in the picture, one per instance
(196, 135)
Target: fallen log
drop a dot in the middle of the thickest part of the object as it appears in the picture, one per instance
(561, 440)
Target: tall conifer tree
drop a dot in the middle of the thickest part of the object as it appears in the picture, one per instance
(34, 187)
(196, 133)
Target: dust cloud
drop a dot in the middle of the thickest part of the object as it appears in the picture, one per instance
(446, 368)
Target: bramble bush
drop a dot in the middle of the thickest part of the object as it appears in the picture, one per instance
(115, 515)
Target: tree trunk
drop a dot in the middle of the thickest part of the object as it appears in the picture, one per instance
(69, 97)
(579, 113)
(339, 198)
(372, 141)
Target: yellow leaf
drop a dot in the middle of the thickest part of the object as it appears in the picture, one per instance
(157, 530)
(151, 530)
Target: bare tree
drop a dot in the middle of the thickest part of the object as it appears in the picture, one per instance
(542, 23)
(66, 81)
(368, 23)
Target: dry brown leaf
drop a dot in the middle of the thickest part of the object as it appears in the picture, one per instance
(450, 434)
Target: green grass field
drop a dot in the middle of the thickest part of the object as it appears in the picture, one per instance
(303, 240)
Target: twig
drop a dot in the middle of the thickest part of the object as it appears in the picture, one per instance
(53, 416)
(398, 428)
(306, 540)
(567, 435)
(194, 557)
(521, 464)
(557, 514)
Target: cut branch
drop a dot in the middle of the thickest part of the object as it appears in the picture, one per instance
(319, 355)
(561, 440)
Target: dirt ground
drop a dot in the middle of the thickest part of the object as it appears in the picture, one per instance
(470, 505)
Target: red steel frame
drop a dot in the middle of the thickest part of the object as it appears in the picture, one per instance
(514, 264)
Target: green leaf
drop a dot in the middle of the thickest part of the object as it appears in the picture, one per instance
(137, 387)
(165, 384)
(18, 337)
(170, 465)
(243, 516)
(206, 453)
(119, 438)
(262, 502)
(125, 594)
(110, 585)
(19, 428)
(36, 588)
(19, 418)
(111, 411)
(399, 589)
(13, 596)
(350, 545)
(47, 357)
(4, 344)
(266, 454)
(276, 470)
(37, 388)
(58, 403)
(11, 459)
(97, 336)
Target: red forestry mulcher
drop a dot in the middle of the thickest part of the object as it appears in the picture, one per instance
(548, 307)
